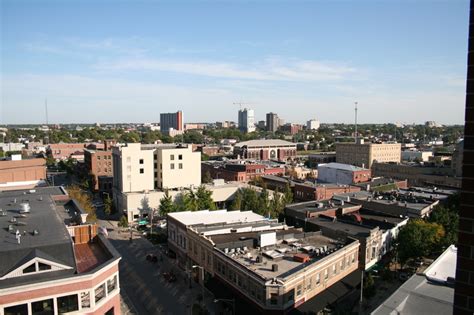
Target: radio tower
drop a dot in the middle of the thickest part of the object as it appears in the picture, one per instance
(355, 109)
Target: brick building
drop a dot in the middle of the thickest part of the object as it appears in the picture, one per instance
(63, 151)
(464, 287)
(308, 191)
(53, 268)
(274, 149)
(239, 172)
(21, 173)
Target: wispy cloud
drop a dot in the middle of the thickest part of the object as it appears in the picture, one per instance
(268, 69)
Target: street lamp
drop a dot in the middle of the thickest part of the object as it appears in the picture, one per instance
(202, 279)
(227, 301)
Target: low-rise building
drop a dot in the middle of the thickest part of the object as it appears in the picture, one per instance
(63, 151)
(395, 203)
(239, 171)
(364, 154)
(272, 265)
(417, 174)
(310, 191)
(346, 174)
(273, 149)
(52, 260)
(18, 174)
(415, 155)
(321, 158)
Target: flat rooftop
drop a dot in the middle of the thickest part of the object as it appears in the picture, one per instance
(289, 243)
(51, 239)
(320, 206)
(345, 227)
(218, 216)
(341, 166)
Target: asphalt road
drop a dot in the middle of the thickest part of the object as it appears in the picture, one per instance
(142, 281)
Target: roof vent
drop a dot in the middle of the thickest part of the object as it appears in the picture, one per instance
(25, 207)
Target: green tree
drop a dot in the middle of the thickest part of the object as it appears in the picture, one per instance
(108, 205)
(84, 199)
(288, 194)
(418, 238)
(166, 204)
(449, 219)
(123, 223)
(237, 202)
(204, 199)
(263, 203)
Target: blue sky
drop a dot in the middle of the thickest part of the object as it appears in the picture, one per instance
(127, 61)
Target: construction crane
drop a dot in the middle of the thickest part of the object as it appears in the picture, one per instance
(242, 104)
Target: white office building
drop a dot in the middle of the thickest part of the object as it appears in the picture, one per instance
(246, 120)
(312, 124)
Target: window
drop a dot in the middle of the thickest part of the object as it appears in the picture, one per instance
(326, 274)
(309, 285)
(299, 290)
(141, 161)
(16, 310)
(155, 165)
(31, 268)
(45, 307)
(42, 267)
(142, 171)
(353, 257)
(110, 312)
(98, 158)
(172, 157)
(112, 284)
(318, 279)
(85, 299)
(68, 303)
(99, 293)
(172, 166)
(180, 166)
(273, 298)
(180, 157)
(341, 265)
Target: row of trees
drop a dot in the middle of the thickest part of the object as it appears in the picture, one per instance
(245, 199)
(201, 199)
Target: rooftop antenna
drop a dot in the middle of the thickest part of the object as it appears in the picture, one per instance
(355, 110)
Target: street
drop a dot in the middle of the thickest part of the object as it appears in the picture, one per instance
(142, 283)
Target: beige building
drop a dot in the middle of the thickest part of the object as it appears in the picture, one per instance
(274, 266)
(139, 170)
(364, 154)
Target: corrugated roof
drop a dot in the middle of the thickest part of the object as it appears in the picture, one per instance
(341, 166)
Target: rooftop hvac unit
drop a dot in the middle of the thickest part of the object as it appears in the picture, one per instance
(275, 267)
(25, 207)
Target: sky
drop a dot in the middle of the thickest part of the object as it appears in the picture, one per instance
(127, 61)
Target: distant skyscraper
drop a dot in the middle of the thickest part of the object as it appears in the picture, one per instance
(171, 121)
(246, 120)
(273, 122)
(312, 124)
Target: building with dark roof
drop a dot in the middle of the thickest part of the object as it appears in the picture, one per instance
(52, 260)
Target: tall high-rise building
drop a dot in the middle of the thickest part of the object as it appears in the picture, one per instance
(464, 287)
(246, 120)
(171, 121)
(312, 124)
(273, 122)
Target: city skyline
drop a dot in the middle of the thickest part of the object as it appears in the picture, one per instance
(301, 61)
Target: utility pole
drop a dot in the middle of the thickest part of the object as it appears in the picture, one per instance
(46, 110)
(355, 109)
(361, 291)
